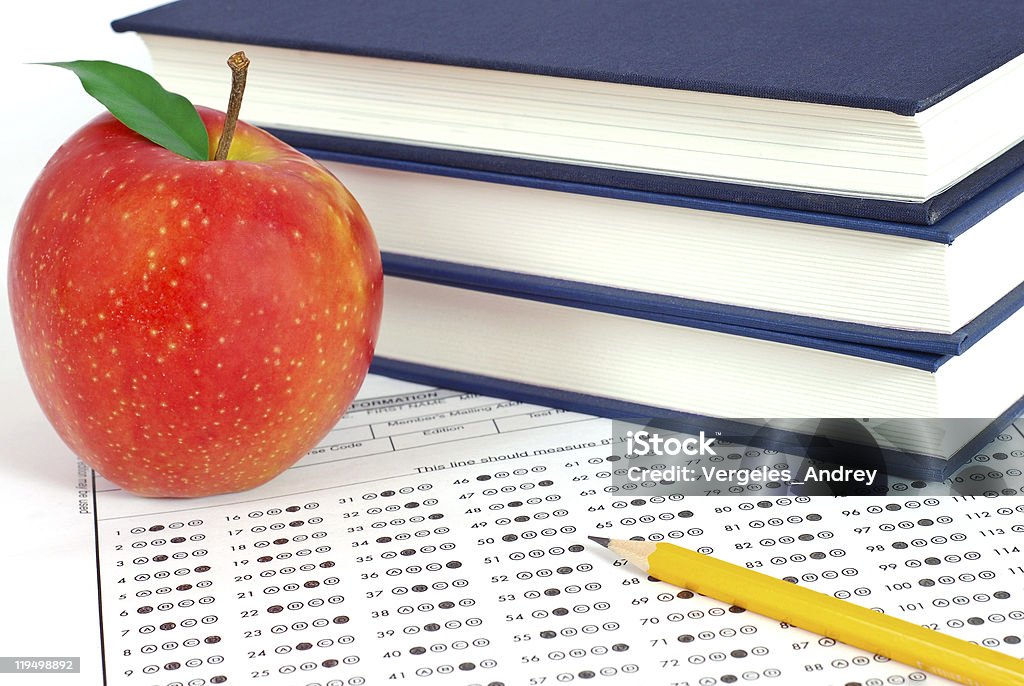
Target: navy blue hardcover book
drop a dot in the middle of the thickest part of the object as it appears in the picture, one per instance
(843, 107)
(432, 217)
(656, 307)
(901, 463)
(607, 361)
(917, 214)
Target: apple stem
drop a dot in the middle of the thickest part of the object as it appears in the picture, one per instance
(239, 64)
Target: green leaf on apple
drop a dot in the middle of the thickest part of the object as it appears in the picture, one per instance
(143, 105)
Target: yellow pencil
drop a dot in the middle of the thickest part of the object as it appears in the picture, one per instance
(852, 624)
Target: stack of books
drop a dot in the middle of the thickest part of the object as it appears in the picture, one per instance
(733, 210)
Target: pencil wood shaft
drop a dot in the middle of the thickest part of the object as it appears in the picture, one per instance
(897, 639)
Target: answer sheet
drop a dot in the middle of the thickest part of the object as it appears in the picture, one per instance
(439, 537)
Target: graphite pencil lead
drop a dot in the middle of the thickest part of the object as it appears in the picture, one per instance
(601, 540)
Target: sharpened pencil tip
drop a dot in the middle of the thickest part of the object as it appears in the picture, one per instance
(600, 540)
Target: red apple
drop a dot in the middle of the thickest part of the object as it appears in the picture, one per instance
(192, 327)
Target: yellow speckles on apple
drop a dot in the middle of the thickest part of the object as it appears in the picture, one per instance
(175, 202)
(182, 260)
(160, 187)
(184, 223)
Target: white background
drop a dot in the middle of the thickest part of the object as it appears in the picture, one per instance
(47, 585)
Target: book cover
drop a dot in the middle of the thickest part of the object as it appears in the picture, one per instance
(646, 304)
(920, 214)
(899, 58)
(913, 465)
(924, 349)
(952, 225)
